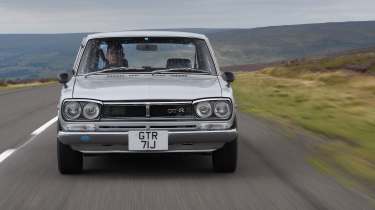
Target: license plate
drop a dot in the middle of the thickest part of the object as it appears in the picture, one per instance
(148, 140)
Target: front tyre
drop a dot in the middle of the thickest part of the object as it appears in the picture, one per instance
(225, 159)
(69, 160)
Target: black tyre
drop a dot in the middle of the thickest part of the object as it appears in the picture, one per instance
(69, 160)
(225, 159)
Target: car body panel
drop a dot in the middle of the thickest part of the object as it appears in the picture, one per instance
(146, 87)
(145, 34)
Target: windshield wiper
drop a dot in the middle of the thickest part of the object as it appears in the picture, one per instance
(192, 70)
(114, 69)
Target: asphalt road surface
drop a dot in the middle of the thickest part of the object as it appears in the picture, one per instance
(273, 172)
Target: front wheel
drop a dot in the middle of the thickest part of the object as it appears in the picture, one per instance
(225, 159)
(69, 160)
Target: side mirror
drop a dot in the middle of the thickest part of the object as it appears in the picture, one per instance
(228, 77)
(63, 78)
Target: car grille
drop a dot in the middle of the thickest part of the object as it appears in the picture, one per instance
(147, 111)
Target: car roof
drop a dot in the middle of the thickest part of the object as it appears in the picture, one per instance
(145, 34)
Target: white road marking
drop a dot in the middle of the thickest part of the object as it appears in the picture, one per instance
(6, 154)
(42, 128)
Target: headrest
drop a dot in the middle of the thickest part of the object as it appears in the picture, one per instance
(178, 63)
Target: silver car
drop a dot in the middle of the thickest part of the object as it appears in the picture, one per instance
(146, 92)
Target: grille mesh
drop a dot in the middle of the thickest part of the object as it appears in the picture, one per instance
(119, 111)
(123, 111)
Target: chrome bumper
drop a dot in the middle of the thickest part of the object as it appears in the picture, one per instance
(121, 138)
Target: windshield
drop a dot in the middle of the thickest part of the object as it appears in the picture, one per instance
(146, 55)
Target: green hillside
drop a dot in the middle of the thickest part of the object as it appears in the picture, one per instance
(264, 45)
(35, 56)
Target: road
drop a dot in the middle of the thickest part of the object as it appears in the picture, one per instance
(273, 172)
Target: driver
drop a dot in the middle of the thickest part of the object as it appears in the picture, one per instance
(115, 55)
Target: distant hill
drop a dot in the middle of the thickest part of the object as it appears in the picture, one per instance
(33, 56)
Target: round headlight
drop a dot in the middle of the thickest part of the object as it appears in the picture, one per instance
(72, 110)
(91, 111)
(222, 109)
(203, 109)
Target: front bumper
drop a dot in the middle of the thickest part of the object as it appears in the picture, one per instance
(190, 141)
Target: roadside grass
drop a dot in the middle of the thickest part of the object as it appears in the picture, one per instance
(359, 62)
(25, 84)
(337, 103)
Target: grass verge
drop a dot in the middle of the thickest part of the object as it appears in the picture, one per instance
(6, 86)
(337, 103)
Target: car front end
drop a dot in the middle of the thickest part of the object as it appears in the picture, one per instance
(163, 93)
(106, 129)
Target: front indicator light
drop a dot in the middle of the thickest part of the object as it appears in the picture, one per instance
(214, 126)
(80, 127)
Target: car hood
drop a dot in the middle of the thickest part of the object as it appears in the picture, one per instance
(146, 87)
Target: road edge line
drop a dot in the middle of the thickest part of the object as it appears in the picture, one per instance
(44, 126)
(4, 155)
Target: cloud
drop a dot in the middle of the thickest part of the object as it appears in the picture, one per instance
(53, 16)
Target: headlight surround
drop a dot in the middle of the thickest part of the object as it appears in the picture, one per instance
(213, 108)
(81, 110)
(72, 110)
(91, 111)
(222, 109)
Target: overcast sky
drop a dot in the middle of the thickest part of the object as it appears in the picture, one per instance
(59, 16)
